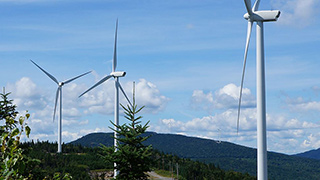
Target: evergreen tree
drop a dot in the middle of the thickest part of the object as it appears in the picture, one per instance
(132, 158)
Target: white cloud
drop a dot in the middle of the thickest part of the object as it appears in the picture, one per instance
(228, 97)
(312, 141)
(297, 12)
(288, 145)
(201, 100)
(284, 134)
(226, 120)
(26, 94)
(280, 122)
(307, 106)
(40, 103)
(87, 131)
(171, 123)
(102, 99)
(39, 126)
(68, 136)
(301, 105)
(71, 113)
(148, 95)
(224, 98)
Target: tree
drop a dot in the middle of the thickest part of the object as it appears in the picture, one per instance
(132, 158)
(14, 165)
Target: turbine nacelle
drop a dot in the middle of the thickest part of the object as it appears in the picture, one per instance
(118, 74)
(263, 16)
(61, 84)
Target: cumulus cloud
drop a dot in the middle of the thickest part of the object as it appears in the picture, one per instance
(101, 99)
(40, 104)
(312, 141)
(301, 105)
(73, 135)
(226, 120)
(202, 100)
(297, 12)
(286, 145)
(314, 106)
(169, 124)
(148, 95)
(225, 98)
(280, 122)
(40, 126)
(282, 133)
(228, 97)
(27, 95)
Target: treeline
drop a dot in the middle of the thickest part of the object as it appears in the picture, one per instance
(194, 170)
(75, 160)
(78, 161)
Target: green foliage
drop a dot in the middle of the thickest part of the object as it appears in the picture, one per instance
(187, 169)
(14, 164)
(312, 154)
(81, 162)
(227, 156)
(76, 161)
(132, 158)
(58, 176)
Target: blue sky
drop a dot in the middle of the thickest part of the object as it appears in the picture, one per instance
(185, 57)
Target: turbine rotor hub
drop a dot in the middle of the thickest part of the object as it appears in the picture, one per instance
(118, 74)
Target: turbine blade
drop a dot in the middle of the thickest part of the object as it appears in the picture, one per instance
(244, 69)
(125, 94)
(56, 102)
(50, 76)
(114, 63)
(66, 82)
(248, 6)
(256, 5)
(97, 84)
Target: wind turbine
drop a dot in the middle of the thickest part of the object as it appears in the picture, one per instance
(254, 15)
(116, 75)
(59, 93)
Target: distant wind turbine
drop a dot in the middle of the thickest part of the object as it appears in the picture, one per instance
(219, 139)
(259, 17)
(115, 74)
(59, 93)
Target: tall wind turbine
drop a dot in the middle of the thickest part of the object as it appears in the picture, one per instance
(254, 15)
(116, 75)
(59, 93)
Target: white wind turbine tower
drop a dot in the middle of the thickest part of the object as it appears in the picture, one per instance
(115, 74)
(59, 93)
(254, 15)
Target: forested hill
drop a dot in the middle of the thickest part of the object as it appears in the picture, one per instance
(313, 154)
(183, 146)
(226, 155)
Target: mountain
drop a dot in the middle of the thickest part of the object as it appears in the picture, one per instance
(313, 154)
(226, 155)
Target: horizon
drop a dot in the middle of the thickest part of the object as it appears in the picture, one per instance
(185, 57)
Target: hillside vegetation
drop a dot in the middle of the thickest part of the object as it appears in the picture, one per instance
(225, 155)
(313, 154)
(83, 162)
